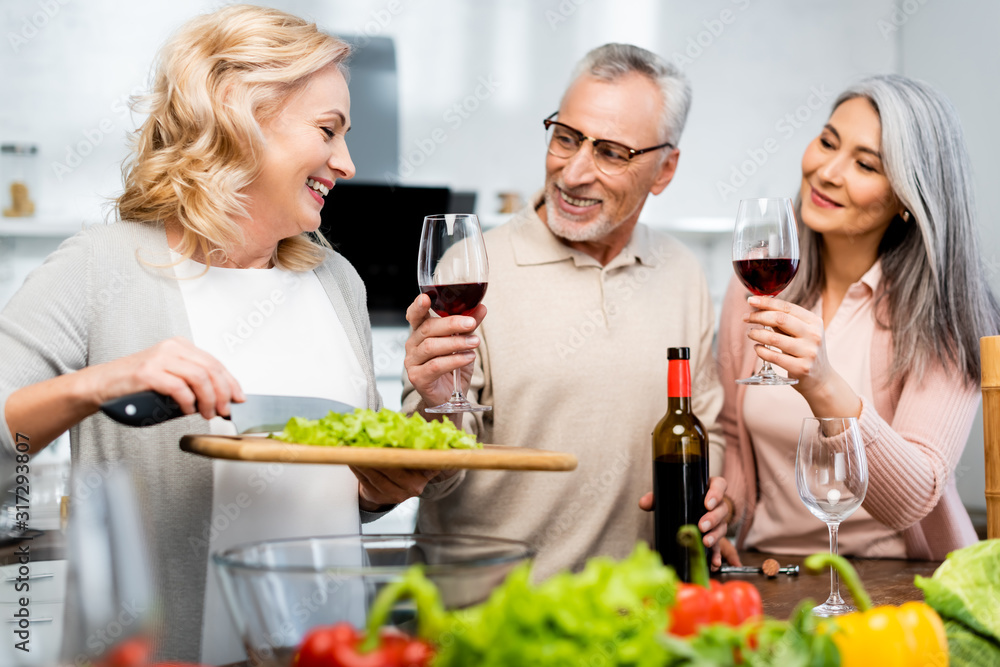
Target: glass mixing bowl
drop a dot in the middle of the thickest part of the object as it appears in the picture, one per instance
(278, 590)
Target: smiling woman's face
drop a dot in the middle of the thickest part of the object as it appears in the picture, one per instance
(844, 187)
(304, 154)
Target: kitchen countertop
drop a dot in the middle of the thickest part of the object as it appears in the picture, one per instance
(887, 581)
(42, 544)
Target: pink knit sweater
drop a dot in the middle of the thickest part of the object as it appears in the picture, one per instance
(914, 435)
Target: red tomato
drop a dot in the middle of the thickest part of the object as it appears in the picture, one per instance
(337, 646)
(403, 651)
(132, 652)
(319, 646)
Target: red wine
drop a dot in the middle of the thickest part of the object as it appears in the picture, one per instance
(457, 299)
(768, 276)
(679, 488)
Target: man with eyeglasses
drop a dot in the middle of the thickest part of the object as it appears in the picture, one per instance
(583, 302)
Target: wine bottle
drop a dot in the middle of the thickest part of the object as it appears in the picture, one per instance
(680, 465)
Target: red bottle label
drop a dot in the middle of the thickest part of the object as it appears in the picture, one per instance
(678, 378)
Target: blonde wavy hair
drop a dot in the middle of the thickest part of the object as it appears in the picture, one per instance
(218, 79)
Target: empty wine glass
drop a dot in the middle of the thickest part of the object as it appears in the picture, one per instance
(831, 475)
(765, 258)
(452, 270)
(110, 584)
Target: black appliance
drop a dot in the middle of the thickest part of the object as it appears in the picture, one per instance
(377, 228)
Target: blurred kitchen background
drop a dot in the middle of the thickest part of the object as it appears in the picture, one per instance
(448, 102)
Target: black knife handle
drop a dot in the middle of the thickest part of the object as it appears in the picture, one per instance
(145, 408)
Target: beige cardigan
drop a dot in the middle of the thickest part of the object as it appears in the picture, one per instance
(914, 434)
(99, 297)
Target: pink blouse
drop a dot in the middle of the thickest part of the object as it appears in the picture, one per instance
(914, 433)
(782, 524)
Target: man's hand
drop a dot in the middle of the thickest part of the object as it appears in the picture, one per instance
(729, 552)
(713, 524)
(378, 487)
(437, 346)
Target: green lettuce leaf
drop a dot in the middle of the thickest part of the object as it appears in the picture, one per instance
(385, 428)
(608, 614)
(966, 588)
(967, 649)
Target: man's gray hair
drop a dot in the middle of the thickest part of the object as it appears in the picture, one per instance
(613, 61)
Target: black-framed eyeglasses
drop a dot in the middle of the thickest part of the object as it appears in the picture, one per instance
(611, 157)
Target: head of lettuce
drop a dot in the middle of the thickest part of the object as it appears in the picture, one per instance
(965, 591)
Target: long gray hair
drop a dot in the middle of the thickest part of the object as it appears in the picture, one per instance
(934, 292)
(613, 61)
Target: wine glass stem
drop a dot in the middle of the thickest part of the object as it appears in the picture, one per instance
(456, 394)
(834, 549)
(765, 368)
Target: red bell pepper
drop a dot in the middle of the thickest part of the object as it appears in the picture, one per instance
(703, 602)
(340, 645)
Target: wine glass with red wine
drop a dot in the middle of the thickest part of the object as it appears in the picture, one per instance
(765, 257)
(452, 270)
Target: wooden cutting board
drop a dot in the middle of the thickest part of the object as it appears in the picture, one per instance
(491, 457)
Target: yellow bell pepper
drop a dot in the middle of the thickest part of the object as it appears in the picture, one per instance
(911, 635)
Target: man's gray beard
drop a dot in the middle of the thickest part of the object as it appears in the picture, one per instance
(591, 231)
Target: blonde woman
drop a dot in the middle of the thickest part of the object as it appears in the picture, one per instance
(881, 323)
(211, 284)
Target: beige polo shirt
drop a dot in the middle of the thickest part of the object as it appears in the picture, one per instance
(574, 358)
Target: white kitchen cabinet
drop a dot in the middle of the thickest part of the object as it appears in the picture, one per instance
(388, 350)
(46, 579)
(45, 641)
(46, 596)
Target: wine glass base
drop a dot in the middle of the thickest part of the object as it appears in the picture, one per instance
(767, 380)
(828, 609)
(456, 406)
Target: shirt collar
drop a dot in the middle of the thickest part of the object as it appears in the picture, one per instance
(872, 276)
(534, 242)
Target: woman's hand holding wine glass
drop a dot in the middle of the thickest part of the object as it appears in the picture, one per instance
(792, 338)
(795, 339)
(765, 258)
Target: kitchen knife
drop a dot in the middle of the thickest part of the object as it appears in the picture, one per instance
(260, 413)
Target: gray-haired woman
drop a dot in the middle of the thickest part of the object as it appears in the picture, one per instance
(881, 323)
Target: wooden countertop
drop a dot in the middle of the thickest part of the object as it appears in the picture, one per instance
(887, 582)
